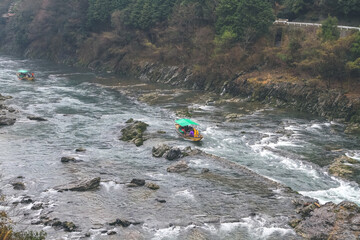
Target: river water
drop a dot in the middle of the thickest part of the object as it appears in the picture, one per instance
(88, 110)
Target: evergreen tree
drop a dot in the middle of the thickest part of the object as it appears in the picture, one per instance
(243, 19)
(329, 29)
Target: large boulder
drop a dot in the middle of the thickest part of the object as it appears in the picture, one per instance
(173, 153)
(329, 221)
(346, 167)
(134, 132)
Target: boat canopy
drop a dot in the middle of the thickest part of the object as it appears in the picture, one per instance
(23, 71)
(185, 122)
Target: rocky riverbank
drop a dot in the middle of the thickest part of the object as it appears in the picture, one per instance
(275, 88)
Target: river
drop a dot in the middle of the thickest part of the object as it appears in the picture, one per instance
(89, 110)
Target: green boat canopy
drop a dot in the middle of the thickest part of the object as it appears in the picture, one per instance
(23, 71)
(185, 122)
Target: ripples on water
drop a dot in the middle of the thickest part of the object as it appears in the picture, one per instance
(283, 146)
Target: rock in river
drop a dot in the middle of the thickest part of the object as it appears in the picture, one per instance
(173, 153)
(329, 221)
(6, 121)
(134, 133)
(178, 167)
(18, 186)
(85, 185)
(160, 150)
(36, 118)
(346, 167)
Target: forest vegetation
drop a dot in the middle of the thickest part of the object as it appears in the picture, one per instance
(216, 39)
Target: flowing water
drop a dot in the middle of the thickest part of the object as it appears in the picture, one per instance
(89, 111)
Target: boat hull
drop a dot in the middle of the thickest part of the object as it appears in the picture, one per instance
(186, 137)
(25, 78)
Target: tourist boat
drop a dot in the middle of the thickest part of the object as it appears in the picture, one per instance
(25, 75)
(185, 128)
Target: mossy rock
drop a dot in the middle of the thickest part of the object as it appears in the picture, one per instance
(134, 132)
(183, 113)
(346, 167)
(353, 128)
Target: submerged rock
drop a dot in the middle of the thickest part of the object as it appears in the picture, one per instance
(80, 149)
(134, 133)
(36, 118)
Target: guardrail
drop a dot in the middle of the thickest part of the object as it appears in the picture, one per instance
(301, 24)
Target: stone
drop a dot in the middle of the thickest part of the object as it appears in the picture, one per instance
(172, 154)
(178, 167)
(19, 186)
(328, 221)
(68, 226)
(138, 182)
(353, 128)
(152, 186)
(6, 121)
(36, 118)
(120, 222)
(111, 233)
(26, 200)
(346, 167)
(160, 150)
(205, 170)
(80, 149)
(130, 120)
(68, 159)
(37, 206)
(81, 186)
(134, 133)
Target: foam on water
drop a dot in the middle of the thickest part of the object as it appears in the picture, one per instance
(353, 154)
(345, 191)
(260, 228)
(167, 233)
(185, 194)
(111, 185)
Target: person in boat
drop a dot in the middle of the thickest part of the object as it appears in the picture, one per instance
(190, 131)
(182, 130)
(191, 134)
